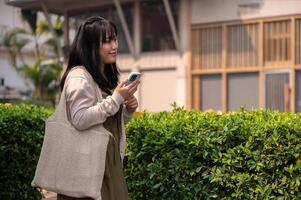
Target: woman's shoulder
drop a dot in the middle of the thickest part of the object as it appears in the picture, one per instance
(79, 81)
(79, 72)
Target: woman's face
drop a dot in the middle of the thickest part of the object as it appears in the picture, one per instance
(108, 50)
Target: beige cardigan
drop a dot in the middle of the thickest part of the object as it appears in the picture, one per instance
(86, 104)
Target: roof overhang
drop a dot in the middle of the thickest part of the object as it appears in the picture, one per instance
(61, 7)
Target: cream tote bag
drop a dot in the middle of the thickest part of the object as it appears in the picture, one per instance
(71, 162)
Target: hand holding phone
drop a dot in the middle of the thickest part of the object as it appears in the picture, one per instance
(133, 76)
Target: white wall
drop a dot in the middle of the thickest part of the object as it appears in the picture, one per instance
(158, 90)
(206, 11)
(159, 87)
(10, 75)
(9, 16)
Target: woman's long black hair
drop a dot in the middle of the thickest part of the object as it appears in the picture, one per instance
(85, 52)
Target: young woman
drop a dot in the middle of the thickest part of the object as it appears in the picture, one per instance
(91, 75)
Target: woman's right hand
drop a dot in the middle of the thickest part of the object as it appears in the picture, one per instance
(127, 91)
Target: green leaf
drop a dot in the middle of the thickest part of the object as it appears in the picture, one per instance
(157, 185)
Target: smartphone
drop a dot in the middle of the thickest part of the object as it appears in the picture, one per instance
(132, 77)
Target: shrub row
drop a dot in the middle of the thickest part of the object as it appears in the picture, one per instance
(21, 136)
(206, 155)
(175, 155)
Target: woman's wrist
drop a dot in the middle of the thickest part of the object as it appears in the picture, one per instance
(118, 97)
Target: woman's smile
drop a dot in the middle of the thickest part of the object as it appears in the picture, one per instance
(113, 53)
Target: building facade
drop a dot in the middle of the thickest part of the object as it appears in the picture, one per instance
(246, 53)
(201, 54)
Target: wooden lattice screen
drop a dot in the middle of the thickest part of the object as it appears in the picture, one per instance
(260, 46)
(242, 45)
(277, 44)
(207, 54)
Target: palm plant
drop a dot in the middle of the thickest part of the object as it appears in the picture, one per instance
(39, 28)
(14, 40)
(30, 17)
(46, 88)
(45, 72)
(50, 44)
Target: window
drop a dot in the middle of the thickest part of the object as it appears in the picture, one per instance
(211, 92)
(276, 94)
(128, 14)
(110, 13)
(2, 82)
(243, 91)
(155, 29)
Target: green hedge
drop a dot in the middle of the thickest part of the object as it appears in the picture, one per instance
(21, 137)
(205, 155)
(175, 155)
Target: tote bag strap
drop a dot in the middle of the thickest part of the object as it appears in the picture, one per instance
(62, 112)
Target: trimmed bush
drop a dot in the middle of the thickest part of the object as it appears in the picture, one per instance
(175, 155)
(206, 155)
(21, 137)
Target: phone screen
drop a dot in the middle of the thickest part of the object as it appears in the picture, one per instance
(133, 78)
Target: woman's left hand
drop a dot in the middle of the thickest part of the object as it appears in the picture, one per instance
(131, 104)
